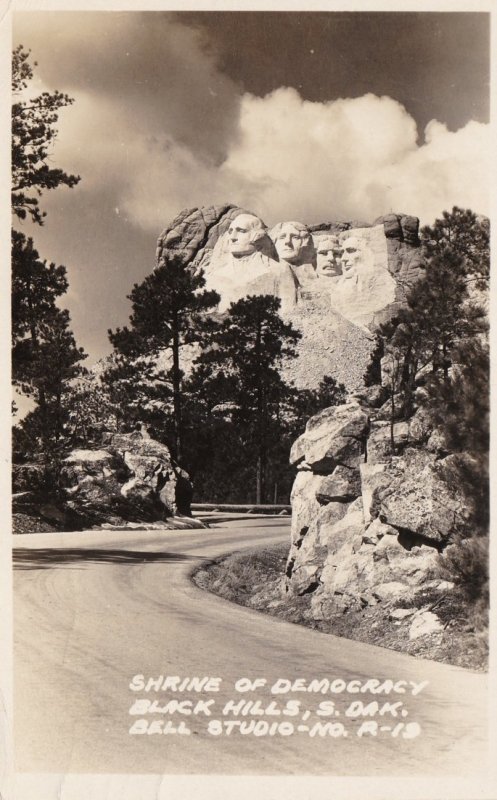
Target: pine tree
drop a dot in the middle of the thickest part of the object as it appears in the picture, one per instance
(91, 412)
(168, 312)
(440, 342)
(33, 134)
(463, 233)
(45, 357)
(239, 376)
(443, 310)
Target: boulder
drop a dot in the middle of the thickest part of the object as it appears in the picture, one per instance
(29, 477)
(371, 478)
(416, 566)
(410, 229)
(420, 427)
(340, 571)
(309, 548)
(390, 590)
(343, 485)
(391, 225)
(376, 531)
(305, 505)
(388, 547)
(372, 396)
(305, 577)
(437, 444)
(425, 623)
(412, 495)
(379, 444)
(334, 436)
(380, 546)
(324, 527)
(297, 453)
(133, 479)
(330, 539)
(325, 606)
(336, 531)
(24, 502)
(92, 481)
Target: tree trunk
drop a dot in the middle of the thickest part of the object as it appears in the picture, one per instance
(392, 408)
(176, 391)
(260, 428)
(392, 417)
(259, 489)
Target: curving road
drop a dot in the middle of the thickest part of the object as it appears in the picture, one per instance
(94, 609)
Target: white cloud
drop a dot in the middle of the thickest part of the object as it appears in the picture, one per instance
(355, 159)
(293, 159)
(157, 126)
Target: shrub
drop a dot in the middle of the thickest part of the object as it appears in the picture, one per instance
(465, 562)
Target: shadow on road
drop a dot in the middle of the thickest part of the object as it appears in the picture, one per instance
(47, 558)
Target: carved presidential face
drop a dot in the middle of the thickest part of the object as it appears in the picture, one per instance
(352, 256)
(243, 233)
(290, 241)
(328, 257)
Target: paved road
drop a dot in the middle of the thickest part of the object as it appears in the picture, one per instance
(94, 609)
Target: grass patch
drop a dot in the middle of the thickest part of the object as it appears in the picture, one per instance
(255, 579)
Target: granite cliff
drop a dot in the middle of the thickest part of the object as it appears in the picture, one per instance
(336, 280)
(369, 526)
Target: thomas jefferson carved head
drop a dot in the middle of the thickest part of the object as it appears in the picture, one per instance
(243, 234)
(292, 241)
(328, 256)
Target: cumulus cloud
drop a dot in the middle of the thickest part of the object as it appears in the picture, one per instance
(157, 126)
(320, 160)
(348, 159)
(356, 159)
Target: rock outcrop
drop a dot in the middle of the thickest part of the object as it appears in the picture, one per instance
(368, 526)
(132, 478)
(336, 281)
(194, 232)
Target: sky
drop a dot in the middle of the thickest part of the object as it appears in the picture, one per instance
(309, 116)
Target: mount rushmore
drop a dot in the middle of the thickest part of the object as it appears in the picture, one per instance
(336, 280)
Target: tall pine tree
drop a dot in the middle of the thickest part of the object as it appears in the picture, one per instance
(240, 373)
(168, 312)
(45, 357)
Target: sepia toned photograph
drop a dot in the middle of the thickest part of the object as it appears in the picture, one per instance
(250, 327)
